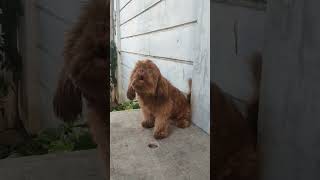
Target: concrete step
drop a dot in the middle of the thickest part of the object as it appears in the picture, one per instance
(79, 165)
(136, 155)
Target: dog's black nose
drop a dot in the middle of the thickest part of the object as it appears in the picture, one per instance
(140, 74)
(140, 77)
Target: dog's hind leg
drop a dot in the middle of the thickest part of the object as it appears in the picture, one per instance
(184, 121)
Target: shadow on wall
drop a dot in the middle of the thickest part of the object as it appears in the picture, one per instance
(237, 32)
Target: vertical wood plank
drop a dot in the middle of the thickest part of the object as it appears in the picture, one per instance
(31, 66)
(201, 70)
(121, 93)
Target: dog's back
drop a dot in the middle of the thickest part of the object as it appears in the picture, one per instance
(234, 136)
(234, 147)
(181, 102)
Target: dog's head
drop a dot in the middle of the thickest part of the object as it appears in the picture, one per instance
(146, 79)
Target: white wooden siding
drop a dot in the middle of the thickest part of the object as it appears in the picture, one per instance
(135, 8)
(177, 43)
(160, 17)
(54, 19)
(201, 70)
(166, 32)
(123, 3)
(160, 30)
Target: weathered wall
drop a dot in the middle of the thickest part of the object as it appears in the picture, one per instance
(201, 69)
(30, 73)
(161, 31)
(290, 93)
(54, 18)
(164, 31)
(237, 31)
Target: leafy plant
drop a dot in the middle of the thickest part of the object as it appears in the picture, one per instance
(60, 146)
(10, 59)
(126, 106)
(65, 138)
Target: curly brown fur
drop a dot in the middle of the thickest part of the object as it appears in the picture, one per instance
(84, 74)
(234, 154)
(159, 100)
(67, 93)
(233, 140)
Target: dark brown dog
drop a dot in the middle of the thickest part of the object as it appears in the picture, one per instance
(235, 153)
(159, 100)
(84, 74)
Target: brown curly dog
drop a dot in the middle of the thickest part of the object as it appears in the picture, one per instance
(85, 73)
(159, 100)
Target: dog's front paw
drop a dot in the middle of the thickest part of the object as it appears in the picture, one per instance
(147, 124)
(160, 134)
(131, 94)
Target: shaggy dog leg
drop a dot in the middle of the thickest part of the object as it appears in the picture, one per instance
(98, 127)
(84, 74)
(162, 123)
(161, 129)
(148, 119)
(184, 121)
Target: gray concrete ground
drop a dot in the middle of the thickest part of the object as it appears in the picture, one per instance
(185, 154)
(135, 155)
(80, 165)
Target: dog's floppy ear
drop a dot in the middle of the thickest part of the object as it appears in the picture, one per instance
(131, 93)
(162, 88)
(67, 101)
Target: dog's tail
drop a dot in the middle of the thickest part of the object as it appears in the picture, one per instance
(256, 68)
(189, 93)
(67, 101)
